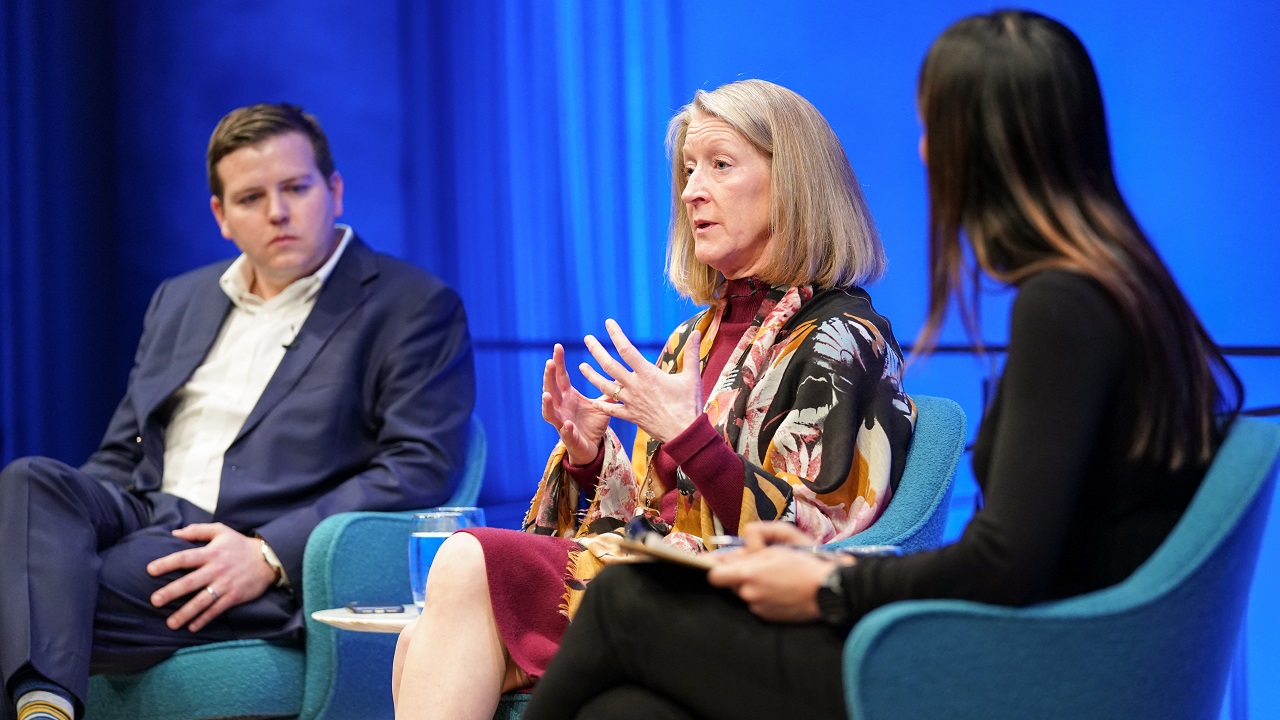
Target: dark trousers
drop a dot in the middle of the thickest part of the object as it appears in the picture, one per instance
(74, 589)
(655, 641)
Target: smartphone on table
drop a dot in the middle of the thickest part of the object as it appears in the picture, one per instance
(357, 607)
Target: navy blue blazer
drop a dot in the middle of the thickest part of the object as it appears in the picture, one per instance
(368, 410)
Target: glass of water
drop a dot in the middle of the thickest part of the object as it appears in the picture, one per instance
(472, 516)
(427, 533)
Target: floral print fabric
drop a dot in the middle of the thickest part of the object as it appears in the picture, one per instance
(811, 399)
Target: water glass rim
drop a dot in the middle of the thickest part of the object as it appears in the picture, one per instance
(438, 513)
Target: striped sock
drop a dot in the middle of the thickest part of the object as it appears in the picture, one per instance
(42, 705)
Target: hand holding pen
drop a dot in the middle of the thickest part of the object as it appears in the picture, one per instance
(775, 580)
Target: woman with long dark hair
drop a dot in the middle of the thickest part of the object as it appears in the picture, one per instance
(1112, 403)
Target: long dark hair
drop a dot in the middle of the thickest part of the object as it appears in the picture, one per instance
(1019, 163)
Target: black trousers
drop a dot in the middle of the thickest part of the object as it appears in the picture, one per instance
(655, 641)
(74, 589)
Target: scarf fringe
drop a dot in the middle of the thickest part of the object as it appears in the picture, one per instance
(568, 603)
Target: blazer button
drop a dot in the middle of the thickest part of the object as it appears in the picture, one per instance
(235, 468)
(137, 439)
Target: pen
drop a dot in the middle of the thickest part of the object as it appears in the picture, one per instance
(731, 541)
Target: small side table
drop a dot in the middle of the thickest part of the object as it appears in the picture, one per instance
(372, 622)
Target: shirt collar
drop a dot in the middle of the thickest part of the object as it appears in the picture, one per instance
(238, 278)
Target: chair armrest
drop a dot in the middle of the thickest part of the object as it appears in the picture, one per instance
(1085, 657)
(352, 556)
(357, 556)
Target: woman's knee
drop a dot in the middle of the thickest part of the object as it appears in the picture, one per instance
(402, 647)
(406, 636)
(458, 567)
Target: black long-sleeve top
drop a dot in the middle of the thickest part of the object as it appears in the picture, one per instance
(1065, 511)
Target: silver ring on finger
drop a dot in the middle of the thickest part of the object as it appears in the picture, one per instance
(213, 593)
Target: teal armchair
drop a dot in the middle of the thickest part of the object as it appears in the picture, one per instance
(917, 513)
(339, 674)
(1158, 645)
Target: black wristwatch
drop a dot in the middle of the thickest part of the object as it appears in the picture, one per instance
(831, 601)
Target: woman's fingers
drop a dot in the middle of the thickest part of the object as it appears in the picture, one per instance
(549, 386)
(610, 366)
(628, 352)
(561, 372)
(615, 374)
(552, 396)
(549, 412)
(606, 386)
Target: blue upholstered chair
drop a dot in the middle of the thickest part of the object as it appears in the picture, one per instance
(339, 675)
(917, 513)
(1158, 645)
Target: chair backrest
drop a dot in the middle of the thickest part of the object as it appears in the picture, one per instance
(1236, 488)
(468, 490)
(1198, 580)
(1158, 644)
(917, 513)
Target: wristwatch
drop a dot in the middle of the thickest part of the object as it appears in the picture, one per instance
(282, 580)
(831, 601)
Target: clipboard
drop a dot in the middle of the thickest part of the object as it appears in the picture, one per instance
(650, 545)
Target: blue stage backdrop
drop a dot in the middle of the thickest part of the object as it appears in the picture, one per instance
(515, 147)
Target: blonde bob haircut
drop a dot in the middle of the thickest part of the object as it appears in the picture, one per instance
(823, 233)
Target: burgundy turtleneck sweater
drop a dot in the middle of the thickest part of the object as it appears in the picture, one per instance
(713, 467)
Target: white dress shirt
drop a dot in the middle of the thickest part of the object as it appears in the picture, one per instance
(213, 405)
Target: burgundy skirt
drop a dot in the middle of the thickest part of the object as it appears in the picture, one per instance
(526, 575)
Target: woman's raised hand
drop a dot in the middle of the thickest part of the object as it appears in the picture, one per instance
(662, 404)
(581, 422)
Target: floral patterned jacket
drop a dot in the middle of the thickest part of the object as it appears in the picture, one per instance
(811, 399)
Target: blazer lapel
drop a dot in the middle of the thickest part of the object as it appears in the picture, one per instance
(198, 327)
(341, 295)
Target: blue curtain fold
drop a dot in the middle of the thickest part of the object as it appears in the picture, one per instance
(60, 358)
(539, 147)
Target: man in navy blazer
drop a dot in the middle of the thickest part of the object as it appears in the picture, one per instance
(308, 377)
